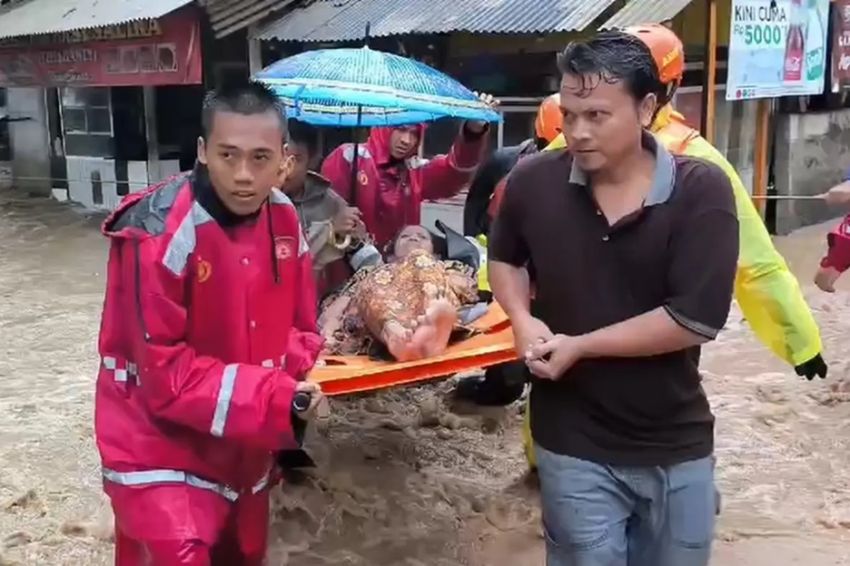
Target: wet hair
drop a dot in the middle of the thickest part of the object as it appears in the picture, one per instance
(247, 98)
(305, 135)
(611, 56)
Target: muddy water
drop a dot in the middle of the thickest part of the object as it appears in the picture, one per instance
(404, 478)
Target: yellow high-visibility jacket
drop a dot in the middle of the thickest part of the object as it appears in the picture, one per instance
(767, 292)
(483, 274)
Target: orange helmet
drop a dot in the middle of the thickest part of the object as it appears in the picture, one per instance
(667, 50)
(549, 121)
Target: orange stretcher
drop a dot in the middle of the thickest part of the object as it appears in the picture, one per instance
(492, 345)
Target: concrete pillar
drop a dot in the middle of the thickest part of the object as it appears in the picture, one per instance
(154, 173)
(812, 154)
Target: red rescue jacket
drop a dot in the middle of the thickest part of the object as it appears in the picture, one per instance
(206, 327)
(389, 192)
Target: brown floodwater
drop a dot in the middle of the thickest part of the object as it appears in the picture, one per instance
(404, 477)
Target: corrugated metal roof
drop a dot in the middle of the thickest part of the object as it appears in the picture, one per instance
(646, 12)
(228, 16)
(36, 17)
(345, 20)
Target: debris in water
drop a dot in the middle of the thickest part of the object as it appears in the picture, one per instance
(19, 538)
(27, 501)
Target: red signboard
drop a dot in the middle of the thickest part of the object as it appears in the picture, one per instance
(166, 51)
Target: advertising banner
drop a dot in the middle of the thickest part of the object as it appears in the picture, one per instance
(777, 48)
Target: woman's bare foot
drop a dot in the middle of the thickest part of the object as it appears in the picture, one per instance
(431, 336)
(397, 339)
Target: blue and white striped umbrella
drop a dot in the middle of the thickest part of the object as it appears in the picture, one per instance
(364, 87)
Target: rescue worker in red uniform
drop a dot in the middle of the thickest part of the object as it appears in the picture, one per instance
(837, 258)
(209, 326)
(392, 180)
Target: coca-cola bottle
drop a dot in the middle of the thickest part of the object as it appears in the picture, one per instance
(795, 45)
(815, 51)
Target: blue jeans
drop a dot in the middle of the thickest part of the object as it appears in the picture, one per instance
(595, 515)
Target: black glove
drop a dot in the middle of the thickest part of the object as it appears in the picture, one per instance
(813, 367)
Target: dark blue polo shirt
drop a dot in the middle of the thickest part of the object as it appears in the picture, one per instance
(678, 252)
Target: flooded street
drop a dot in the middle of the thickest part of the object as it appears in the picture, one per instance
(403, 478)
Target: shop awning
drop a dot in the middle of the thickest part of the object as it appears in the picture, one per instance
(38, 17)
(345, 20)
(150, 43)
(228, 16)
(646, 12)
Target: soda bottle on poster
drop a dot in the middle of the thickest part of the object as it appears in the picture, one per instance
(795, 45)
(815, 53)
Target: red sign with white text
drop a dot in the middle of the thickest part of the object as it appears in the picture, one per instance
(166, 51)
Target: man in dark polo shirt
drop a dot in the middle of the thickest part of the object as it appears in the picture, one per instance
(634, 254)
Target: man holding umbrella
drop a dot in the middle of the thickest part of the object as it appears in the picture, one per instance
(392, 180)
(395, 96)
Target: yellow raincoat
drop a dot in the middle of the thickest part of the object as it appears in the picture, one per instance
(767, 292)
(483, 277)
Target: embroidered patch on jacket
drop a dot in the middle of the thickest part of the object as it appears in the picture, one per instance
(364, 180)
(203, 270)
(284, 247)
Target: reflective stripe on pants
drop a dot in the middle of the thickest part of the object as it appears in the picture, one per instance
(121, 369)
(153, 477)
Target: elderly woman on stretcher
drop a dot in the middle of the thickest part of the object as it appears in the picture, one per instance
(411, 305)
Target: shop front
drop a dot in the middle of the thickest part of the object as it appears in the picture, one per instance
(114, 108)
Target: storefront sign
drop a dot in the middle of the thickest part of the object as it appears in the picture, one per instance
(840, 45)
(777, 48)
(128, 30)
(143, 53)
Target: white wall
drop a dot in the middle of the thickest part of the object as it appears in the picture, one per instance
(450, 212)
(81, 186)
(30, 149)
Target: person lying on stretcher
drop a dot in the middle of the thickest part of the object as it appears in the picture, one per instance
(410, 305)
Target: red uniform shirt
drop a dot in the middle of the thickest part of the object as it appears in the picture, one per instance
(205, 330)
(390, 192)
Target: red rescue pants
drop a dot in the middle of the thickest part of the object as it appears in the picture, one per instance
(181, 525)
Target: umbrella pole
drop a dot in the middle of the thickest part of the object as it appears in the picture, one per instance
(356, 158)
